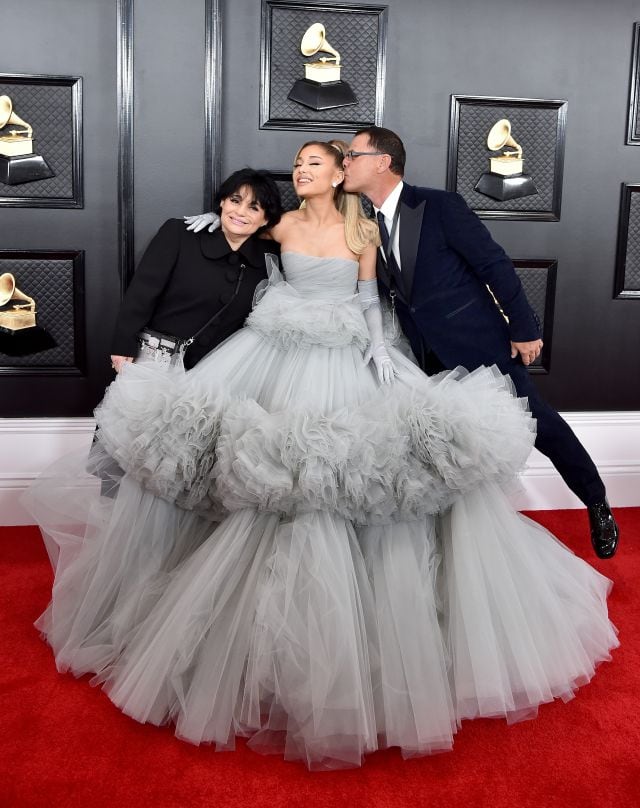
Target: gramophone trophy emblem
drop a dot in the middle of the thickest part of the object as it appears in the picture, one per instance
(505, 179)
(19, 333)
(18, 163)
(321, 87)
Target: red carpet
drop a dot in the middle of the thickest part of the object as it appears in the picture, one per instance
(64, 744)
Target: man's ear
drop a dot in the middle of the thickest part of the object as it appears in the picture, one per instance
(384, 163)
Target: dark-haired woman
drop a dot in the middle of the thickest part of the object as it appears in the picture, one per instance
(185, 278)
(108, 544)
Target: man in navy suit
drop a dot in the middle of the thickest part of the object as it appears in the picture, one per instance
(435, 264)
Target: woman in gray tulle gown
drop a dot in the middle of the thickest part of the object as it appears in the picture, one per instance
(311, 545)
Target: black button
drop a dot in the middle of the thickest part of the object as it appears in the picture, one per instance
(225, 297)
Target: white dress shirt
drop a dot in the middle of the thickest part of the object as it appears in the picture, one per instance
(388, 208)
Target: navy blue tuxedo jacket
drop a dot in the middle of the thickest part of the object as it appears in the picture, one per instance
(448, 260)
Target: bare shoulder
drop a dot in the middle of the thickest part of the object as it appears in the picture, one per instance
(287, 220)
(292, 216)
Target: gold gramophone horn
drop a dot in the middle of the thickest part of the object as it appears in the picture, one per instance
(7, 116)
(7, 285)
(314, 40)
(500, 135)
(9, 291)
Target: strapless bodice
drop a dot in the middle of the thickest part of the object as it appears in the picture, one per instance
(313, 276)
(314, 304)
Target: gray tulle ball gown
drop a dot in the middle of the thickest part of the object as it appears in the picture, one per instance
(295, 554)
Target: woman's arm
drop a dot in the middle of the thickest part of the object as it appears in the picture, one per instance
(370, 302)
(367, 271)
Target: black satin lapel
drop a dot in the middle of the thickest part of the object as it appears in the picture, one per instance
(410, 227)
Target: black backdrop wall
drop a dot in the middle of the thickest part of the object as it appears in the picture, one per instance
(68, 38)
(551, 49)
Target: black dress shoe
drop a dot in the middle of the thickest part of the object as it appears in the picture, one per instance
(604, 530)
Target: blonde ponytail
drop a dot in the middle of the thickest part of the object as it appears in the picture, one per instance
(359, 231)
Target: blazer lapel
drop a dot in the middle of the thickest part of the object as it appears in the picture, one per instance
(410, 228)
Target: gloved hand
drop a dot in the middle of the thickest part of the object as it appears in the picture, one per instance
(198, 223)
(382, 362)
(377, 350)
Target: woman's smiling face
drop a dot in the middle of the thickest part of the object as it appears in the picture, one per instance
(241, 214)
(314, 171)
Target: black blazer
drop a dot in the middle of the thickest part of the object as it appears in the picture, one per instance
(183, 279)
(448, 259)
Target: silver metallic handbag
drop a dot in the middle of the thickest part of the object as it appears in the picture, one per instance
(160, 347)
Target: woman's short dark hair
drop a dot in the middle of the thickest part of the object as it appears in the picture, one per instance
(386, 141)
(264, 189)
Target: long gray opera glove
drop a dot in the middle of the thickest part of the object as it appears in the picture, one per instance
(377, 350)
(198, 223)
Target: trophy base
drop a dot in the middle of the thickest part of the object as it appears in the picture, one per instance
(24, 168)
(328, 95)
(503, 188)
(25, 341)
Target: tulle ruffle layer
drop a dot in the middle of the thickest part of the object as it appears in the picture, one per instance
(286, 318)
(325, 643)
(108, 540)
(398, 455)
(368, 584)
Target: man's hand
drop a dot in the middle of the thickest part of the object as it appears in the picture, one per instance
(529, 351)
(118, 361)
(198, 223)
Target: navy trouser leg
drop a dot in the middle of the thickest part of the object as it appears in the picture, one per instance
(558, 441)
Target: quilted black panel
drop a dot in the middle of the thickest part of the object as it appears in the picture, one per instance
(290, 200)
(48, 108)
(50, 282)
(356, 36)
(535, 129)
(632, 258)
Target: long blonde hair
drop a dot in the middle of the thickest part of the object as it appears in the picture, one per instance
(359, 231)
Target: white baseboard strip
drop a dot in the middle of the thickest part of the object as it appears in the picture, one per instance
(29, 445)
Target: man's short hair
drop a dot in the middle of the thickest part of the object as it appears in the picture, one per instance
(386, 141)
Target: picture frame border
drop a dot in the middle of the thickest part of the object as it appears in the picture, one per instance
(77, 178)
(457, 101)
(79, 368)
(213, 101)
(266, 46)
(619, 291)
(633, 117)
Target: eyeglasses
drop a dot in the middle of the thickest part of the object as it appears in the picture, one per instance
(353, 154)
